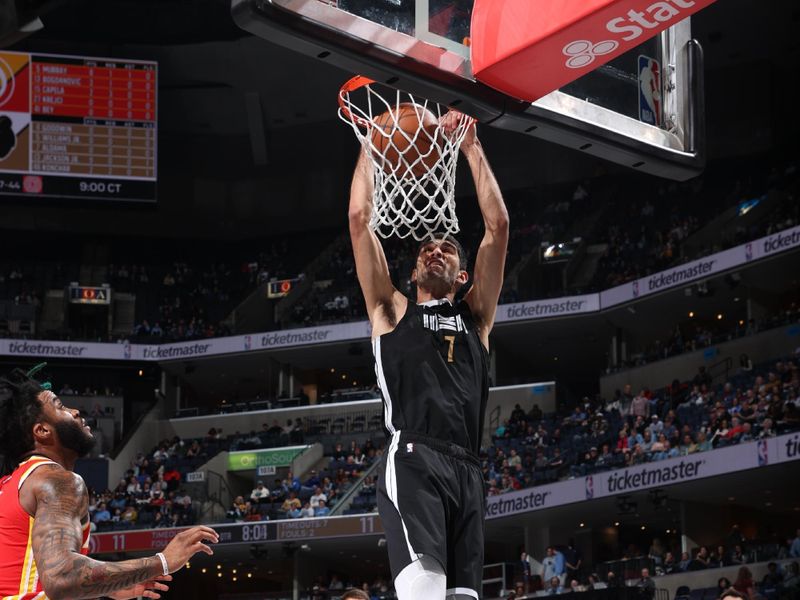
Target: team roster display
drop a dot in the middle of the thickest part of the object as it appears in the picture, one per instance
(78, 127)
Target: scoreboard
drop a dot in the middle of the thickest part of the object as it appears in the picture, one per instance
(78, 127)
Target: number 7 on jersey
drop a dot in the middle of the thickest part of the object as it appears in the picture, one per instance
(452, 340)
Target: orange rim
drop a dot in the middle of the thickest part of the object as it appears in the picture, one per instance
(356, 83)
(351, 85)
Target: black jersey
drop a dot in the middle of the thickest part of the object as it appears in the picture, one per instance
(433, 374)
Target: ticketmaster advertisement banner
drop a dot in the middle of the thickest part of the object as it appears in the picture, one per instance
(308, 336)
(703, 268)
(732, 459)
(773, 244)
(522, 311)
(73, 350)
(547, 309)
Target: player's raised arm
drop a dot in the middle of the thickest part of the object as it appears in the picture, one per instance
(383, 301)
(56, 539)
(490, 261)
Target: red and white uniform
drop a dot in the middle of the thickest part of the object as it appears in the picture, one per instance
(19, 579)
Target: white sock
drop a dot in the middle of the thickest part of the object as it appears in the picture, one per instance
(423, 579)
(453, 595)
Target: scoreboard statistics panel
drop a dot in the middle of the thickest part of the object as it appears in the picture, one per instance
(78, 127)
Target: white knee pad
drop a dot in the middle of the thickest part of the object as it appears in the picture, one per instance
(423, 579)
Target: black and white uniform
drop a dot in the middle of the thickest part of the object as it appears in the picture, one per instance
(432, 370)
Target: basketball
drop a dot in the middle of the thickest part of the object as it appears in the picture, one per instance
(406, 137)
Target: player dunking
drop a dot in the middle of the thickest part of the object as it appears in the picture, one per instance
(431, 361)
(44, 508)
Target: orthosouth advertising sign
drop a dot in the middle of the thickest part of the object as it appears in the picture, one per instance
(676, 277)
(750, 455)
(247, 460)
(153, 540)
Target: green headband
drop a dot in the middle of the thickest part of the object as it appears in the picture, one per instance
(46, 385)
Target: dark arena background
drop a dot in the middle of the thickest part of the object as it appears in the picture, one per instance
(174, 244)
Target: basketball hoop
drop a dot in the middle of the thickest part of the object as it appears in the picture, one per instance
(414, 170)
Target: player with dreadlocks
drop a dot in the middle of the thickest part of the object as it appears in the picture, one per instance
(44, 507)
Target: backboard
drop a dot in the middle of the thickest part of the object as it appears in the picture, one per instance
(643, 109)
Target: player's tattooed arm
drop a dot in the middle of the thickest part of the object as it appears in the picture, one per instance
(61, 502)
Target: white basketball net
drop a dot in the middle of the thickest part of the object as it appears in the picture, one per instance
(413, 196)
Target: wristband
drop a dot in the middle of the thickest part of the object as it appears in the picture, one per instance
(164, 564)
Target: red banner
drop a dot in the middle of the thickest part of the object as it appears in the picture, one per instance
(528, 49)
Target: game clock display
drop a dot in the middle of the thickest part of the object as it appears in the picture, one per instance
(78, 127)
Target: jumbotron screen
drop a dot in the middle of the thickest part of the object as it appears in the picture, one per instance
(77, 127)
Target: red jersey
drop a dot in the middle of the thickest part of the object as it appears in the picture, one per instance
(19, 579)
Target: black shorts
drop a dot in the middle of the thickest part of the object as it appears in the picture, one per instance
(432, 501)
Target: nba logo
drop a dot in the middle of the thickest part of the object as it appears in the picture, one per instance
(589, 487)
(649, 91)
(409, 448)
(635, 289)
(126, 350)
(248, 342)
(748, 252)
(763, 455)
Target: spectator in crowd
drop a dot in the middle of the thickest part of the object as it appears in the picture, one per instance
(238, 510)
(719, 558)
(102, 515)
(291, 504)
(525, 570)
(723, 583)
(646, 585)
(735, 537)
(791, 582)
(613, 581)
(739, 557)
(670, 565)
(773, 577)
(318, 497)
(744, 583)
(702, 560)
(355, 594)
(640, 406)
(321, 510)
(554, 586)
(685, 561)
(794, 549)
(260, 494)
(656, 552)
(553, 564)
(306, 512)
(572, 557)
